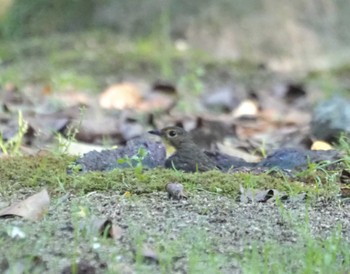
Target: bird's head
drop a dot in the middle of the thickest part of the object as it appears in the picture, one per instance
(174, 136)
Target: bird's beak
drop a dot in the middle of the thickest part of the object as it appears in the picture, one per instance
(154, 132)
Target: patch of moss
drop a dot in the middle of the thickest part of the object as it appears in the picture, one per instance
(32, 171)
(50, 171)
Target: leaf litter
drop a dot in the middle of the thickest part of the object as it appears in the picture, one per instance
(33, 208)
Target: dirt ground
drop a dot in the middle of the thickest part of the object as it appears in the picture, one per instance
(206, 233)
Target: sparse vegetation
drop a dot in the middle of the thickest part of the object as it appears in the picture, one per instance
(12, 146)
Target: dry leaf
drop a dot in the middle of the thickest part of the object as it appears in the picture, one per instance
(345, 177)
(321, 145)
(121, 96)
(33, 208)
(78, 148)
(260, 196)
(345, 192)
(246, 108)
(229, 149)
(105, 227)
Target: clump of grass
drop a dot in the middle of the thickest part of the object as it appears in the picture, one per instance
(344, 145)
(65, 142)
(12, 146)
(135, 162)
(315, 255)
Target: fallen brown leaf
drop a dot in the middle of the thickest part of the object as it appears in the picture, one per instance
(106, 227)
(321, 145)
(33, 208)
(260, 196)
(103, 227)
(345, 192)
(345, 177)
(121, 96)
(246, 108)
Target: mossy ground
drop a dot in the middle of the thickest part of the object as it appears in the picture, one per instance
(51, 171)
(208, 233)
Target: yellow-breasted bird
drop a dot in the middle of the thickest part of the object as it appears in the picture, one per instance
(188, 156)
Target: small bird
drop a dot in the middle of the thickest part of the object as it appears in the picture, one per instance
(188, 156)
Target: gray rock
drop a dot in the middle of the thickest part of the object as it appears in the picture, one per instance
(330, 118)
(107, 160)
(297, 159)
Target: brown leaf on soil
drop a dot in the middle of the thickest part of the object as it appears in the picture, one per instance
(345, 177)
(229, 149)
(321, 145)
(105, 227)
(33, 208)
(259, 196)
(175, 191)
(247, 108)
(78, 148)
(345, 192)
(121, 96)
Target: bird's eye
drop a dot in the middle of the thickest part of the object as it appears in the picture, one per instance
(172, 133)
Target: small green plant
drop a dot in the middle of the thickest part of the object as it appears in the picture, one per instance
(135, 162)
(72, 131)
(12, 146)
(263, 149)
(324, 180)
(344, 145)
